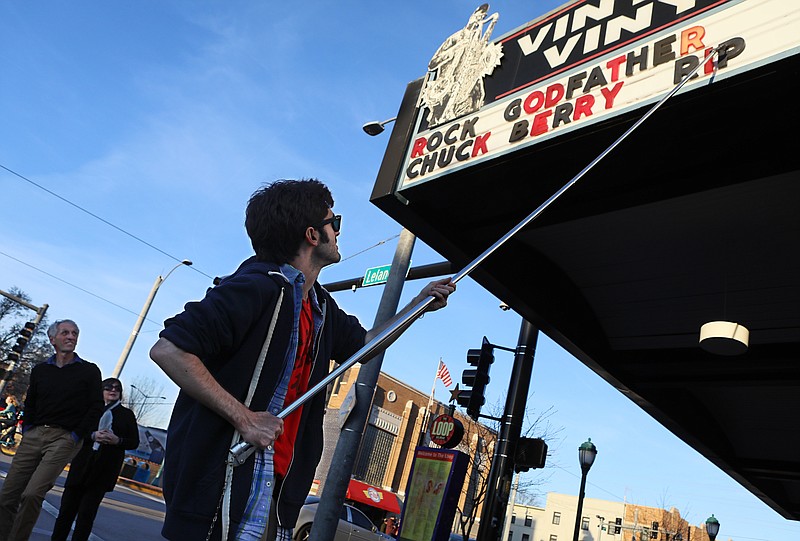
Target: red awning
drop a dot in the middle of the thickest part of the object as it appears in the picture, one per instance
(374, 496)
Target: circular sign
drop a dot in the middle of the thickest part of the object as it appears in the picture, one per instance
(374, 495)
(446, 431)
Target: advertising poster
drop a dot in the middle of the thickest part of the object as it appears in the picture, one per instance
(434, 487)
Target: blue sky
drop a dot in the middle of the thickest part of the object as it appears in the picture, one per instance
(162, 117)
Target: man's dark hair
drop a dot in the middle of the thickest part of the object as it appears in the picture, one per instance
(278, 214)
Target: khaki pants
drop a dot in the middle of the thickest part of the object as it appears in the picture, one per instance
(40, 459)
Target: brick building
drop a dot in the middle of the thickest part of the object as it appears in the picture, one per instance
(396, 426)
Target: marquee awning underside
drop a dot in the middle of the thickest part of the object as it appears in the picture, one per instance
(694, 218)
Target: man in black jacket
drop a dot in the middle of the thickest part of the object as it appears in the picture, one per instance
(252, 346)
(62, 407)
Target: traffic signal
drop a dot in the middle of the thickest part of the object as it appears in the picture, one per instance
(618, 525)
(25, 335)
(531, 453)
(477, 379)
(654, 531)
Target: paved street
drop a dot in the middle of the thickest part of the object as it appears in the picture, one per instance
(125, 514)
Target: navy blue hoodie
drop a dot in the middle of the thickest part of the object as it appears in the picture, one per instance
(227, 330)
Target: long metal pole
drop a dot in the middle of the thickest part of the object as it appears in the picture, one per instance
(578, 513)
(239, 452)
(329, 510)
(426, 419)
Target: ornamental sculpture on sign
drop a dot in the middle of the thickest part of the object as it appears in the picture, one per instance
(454, 86)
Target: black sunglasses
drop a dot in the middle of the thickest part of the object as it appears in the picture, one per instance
(335, 221)
(112, 387)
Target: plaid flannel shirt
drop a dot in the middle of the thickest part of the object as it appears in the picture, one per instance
(256, 514)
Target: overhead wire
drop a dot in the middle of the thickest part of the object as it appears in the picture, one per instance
(95, 216)
(139, 239)
(384, 241)
(131, 235)
(75, 286)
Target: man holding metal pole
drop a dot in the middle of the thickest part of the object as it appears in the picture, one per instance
(254, 344)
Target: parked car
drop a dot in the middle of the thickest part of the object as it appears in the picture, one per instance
(353, 524)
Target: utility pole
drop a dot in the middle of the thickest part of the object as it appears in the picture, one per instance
(510, 510)
(15, 356)
(329, 510)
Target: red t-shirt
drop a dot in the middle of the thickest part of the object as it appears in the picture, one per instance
(298, 384)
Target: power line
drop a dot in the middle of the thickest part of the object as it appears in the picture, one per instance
(570, 472)
(95, 216)
(370, 248)
(131, 235)
(76, 287)
(122, 307)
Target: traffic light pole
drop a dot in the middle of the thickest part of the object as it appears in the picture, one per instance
(12, 361)
(501, 474)
(329, 510)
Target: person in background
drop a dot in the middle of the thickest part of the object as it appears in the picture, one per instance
(62, 407)
(95, 469)
(8, 421)
(391, 526)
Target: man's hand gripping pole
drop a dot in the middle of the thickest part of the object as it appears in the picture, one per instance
(239, 453)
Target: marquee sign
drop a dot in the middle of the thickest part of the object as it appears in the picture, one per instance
(585, 63)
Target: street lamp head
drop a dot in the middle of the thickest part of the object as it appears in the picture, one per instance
(375, 128)
(586, 454)
(186, 262)
(712, 527)
(145, 395)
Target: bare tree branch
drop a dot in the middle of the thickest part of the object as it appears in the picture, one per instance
(474, 491)
(144, 397)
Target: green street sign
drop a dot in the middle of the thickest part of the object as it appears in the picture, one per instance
(376, 275)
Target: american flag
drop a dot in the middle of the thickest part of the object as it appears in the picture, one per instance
(444, 374)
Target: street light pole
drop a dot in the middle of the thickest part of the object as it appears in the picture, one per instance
(138, 325)
(586, 454)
